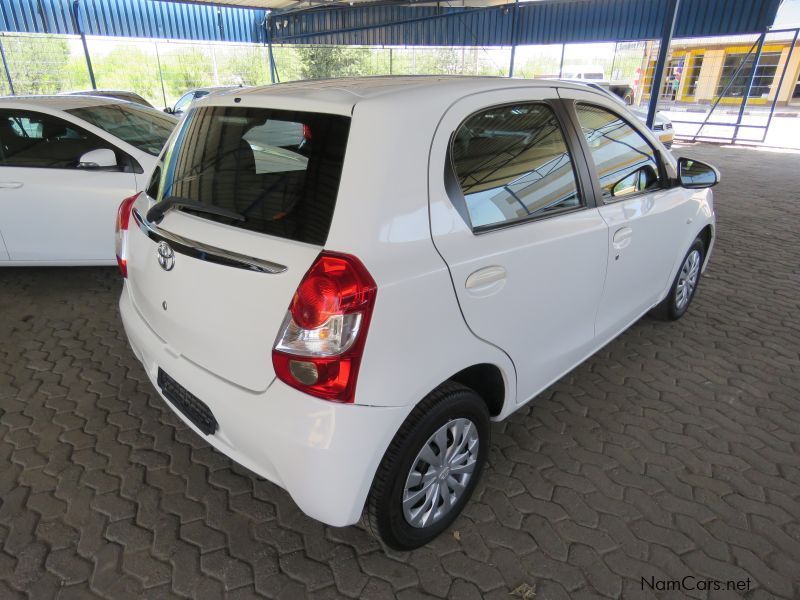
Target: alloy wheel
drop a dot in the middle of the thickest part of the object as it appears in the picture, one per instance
(440, 473)
(687, 279)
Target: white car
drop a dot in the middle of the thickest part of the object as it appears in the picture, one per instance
(65, 163)
(345, 317)
(661, 123)
(184, 102)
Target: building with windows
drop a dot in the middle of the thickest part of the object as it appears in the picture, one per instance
(701, 70)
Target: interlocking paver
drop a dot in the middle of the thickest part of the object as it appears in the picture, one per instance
(674, 451)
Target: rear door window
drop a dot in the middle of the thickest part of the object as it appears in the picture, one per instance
(279, 170)
(513, 164)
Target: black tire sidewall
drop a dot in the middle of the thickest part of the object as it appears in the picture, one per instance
(394, 528)
(673, 312)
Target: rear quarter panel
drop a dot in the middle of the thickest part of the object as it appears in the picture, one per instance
(417, 338)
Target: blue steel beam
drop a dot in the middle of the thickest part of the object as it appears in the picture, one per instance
(663, 49)
(544, 22)
(135, 18)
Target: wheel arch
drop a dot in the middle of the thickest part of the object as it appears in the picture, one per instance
(488, 382)
(707, 235)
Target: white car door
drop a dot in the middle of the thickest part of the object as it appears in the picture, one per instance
(51, 210)
(525, 246)
(646, 215)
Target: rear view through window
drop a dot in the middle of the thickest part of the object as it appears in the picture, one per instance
(279, 171)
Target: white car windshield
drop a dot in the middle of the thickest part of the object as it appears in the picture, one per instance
(144, 128)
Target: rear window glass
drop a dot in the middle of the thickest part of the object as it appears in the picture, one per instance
(279, 170)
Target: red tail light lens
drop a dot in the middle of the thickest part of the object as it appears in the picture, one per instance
(306, 133)
(319, 347)
(121, 232)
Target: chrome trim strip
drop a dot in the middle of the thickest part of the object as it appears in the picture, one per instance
(205, 252)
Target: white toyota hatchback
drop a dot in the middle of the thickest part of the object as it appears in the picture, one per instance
(65, 161)
(344, 312)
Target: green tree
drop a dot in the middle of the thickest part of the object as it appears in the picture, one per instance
(288, 63)
(39, 65)
(184, 69)
(244, 66)
(442, 61)
(321, 62)
(129, 68)
(538, 66)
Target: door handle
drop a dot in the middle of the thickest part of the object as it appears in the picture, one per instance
(10, 185)
(486, 281)
(622, 238)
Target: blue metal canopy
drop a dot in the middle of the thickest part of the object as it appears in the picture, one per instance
(542, 22)
(134, 18)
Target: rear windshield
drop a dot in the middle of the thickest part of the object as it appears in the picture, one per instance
(279, 170)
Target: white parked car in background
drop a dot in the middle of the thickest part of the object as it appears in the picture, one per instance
(345, 314)
(184, 102)
(65, 162)
(662, 126)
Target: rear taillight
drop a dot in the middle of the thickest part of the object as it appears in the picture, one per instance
(306, 133)
(319, 347)
(121, 231)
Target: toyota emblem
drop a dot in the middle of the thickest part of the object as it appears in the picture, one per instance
(166, 256)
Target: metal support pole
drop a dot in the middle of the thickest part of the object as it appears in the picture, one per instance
(5, 66)
(76, 15)
(161, 76)
(614, 60)
(391, 61)
(780, 85)
(670, 17)
(749, 86)
(269, 49)
(513, 38)
(561, 66)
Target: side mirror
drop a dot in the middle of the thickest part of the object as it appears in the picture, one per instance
(169, 110)
(635, 182)
(696, 175)
(102, 158)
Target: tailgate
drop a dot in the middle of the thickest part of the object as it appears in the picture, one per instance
(220, 316)
(257, 188)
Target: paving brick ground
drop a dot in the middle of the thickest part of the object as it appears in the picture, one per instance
(674, 451)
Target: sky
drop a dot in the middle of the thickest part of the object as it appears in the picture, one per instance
(788, 14)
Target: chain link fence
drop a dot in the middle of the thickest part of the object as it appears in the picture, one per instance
(703, 87)
(43, 64)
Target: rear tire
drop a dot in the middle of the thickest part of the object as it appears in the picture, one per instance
(433, 463)
(684, 286)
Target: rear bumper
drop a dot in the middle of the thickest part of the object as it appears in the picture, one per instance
(324, 454)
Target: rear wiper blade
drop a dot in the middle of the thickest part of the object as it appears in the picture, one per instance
(157, 211)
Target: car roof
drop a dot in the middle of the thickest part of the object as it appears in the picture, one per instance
(342, 94)
(65, 102)
(102, 91)
(213, 88)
